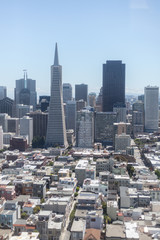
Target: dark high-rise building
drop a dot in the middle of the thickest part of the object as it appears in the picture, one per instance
(81, 92)
(113, 84)
(56, 129)
(6, 106)
(25, 91)
(40, 120)
(44, 103)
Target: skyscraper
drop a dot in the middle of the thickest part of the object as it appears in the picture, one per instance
(151, 96)
(67, 92)
(3, 92)
(56, 129)
(113, 84)
(81, 92)
(25, 91)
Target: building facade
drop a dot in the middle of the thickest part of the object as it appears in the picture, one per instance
(67, 92)
(151, 98)
(56, 129)
(81, 92)
(113, 84)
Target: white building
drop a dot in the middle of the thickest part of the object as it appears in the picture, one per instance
(21, 110)
(151, 97)
(26, 128)
(85, 129)
(122, 142)
(1, 137)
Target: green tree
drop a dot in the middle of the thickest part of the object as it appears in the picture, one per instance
(42, 200)
(36, 209)
(77, 189)
(157, 172)
(130, 170)
(24, 215)
(104, 207)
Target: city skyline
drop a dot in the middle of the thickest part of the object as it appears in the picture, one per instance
(88, 34)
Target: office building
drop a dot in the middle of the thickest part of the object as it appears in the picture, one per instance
(44, 103)
(6, 106)
(92, 99)
(26, 128)
(3, 92)
(121, 128)
(151, 98)
(1, 137)
(85, 129)
(99, 101)
(104, 127)
(81, 92)
(40, 120)
(25, 91)
(113, 84)
(13, 125)
(120, 109)
(56, 129)
(122, 142)
(138, 118)
(3, 121)
(71, 115)
(22, 110)
(80, 105)
(67, 92)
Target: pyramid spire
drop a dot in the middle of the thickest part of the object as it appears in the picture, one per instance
(56, 62)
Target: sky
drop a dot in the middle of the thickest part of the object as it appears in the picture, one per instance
(88, 33)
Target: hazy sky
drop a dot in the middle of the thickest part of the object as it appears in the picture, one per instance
(88, 33)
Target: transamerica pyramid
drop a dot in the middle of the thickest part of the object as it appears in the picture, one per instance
(56, 129)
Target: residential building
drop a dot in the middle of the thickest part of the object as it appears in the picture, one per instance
(39, 189)
(83, 170)
(78, 230)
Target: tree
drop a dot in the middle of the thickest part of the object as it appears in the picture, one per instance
(130, 170)
(77, 189)
(24, 215)
(36, 209)
(104, 207)
(157, 172)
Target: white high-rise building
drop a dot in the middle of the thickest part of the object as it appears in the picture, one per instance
(56, 129)
(151, 97)
(26, 128)
(85, 129)
(1, 137)
(67, 92)
(3, 92)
